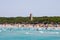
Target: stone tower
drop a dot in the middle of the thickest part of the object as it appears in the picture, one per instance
(31, 18)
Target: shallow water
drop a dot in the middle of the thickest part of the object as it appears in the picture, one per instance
(28, 34)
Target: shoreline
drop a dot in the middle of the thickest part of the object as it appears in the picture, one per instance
(30, 25)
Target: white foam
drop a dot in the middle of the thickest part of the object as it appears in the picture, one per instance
(27, 33)
(0, 30)
(41, 31)
(57, 32)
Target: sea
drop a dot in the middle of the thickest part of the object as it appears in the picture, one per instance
(29, 34)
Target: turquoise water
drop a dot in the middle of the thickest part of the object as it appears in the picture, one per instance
(29, 34)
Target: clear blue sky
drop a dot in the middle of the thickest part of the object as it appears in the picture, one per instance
(12, 8)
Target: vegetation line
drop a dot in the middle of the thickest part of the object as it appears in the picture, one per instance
(27, 20)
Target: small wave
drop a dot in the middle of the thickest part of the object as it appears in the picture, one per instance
(27, 33)
(41, 31)
(57, 32)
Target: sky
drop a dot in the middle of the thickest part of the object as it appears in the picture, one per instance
(14, 8)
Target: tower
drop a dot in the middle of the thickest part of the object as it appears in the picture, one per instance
(31, 18)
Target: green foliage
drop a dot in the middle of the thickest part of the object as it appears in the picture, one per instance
(27, 19)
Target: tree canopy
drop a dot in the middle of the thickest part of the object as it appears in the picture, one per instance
(27, 19)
